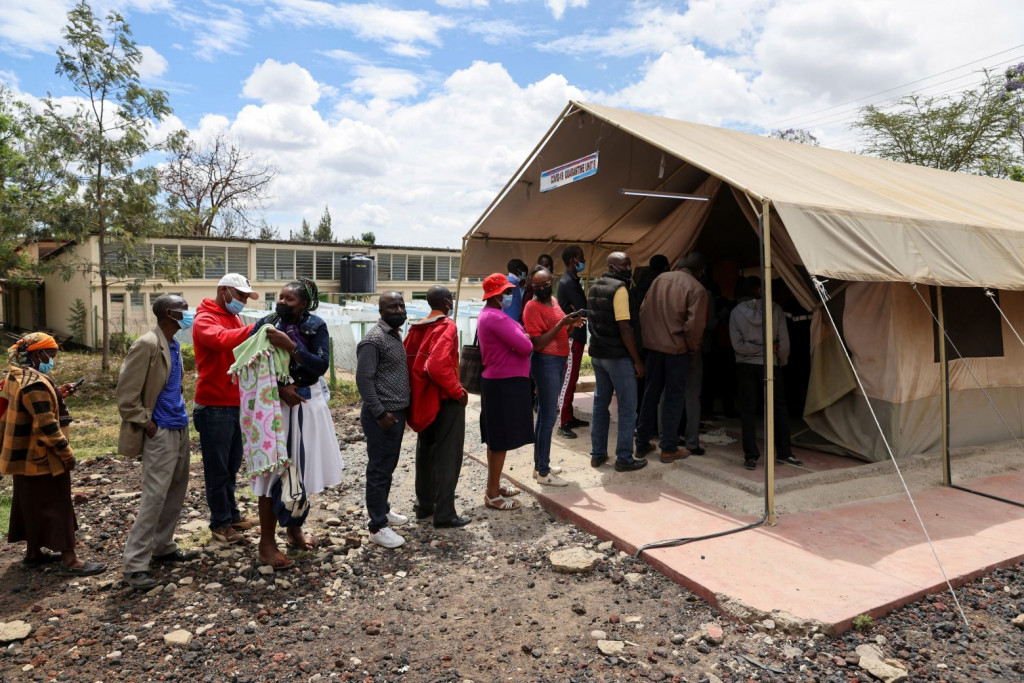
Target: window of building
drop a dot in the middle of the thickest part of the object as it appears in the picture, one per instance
(325, 265)
(165, 259)
(383, 266)
(304, 263)
(444, 268)
(397, 267)
(285, 264)
(430, 268)
(238, 261)
(414, 269)
(192, 263)
(456, 264)
(264, 264)
(138, 301)
(117, 299)
(216, 263)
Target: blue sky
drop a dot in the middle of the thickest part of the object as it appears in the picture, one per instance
(406, 118)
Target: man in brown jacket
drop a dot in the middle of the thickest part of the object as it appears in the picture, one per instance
(672, 316)
(155, 424)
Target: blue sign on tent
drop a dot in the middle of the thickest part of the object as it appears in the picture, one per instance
(569, 173)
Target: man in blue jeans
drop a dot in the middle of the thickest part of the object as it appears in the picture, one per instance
(616, 361)
(216, 332)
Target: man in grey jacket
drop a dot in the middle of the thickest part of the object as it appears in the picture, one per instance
(746, 330)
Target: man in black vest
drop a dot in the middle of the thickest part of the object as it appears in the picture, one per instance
(617, 363)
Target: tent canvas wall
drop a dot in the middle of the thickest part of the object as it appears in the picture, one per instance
(836, 215)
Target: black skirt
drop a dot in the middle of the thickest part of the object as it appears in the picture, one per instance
(506, 413)
(42, 512)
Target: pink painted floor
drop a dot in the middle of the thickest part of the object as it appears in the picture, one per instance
(828, 565)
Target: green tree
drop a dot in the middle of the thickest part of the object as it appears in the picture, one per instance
(1013, 95)
(305, 233)
(801, 135)
(105, 136)
(969, 132)
(368, 237)
(267, 232)
(324, 233)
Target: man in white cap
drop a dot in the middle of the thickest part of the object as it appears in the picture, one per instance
(216, 332)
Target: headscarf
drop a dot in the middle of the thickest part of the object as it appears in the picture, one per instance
(18, 353)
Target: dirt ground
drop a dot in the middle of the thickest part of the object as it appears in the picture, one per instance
(480, 603)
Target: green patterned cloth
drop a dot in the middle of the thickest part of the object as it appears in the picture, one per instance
(258, 367)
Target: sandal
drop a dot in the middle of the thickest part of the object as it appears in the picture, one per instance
(501, 503)
(306, 543)
(279, 562)
(507, 491)
(43, 558)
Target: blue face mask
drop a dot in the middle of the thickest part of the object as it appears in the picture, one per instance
(187, 317)
(235, 306)
(506, 300)
(580, 266)
(46, 367)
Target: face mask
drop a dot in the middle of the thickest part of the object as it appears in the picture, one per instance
(542, 293)
(186, 320)
(235, 306)
(46, 367)
(506, 300)
(449, 308)
(624, 275)
(580, 266)
(395, 320)
(284, 311)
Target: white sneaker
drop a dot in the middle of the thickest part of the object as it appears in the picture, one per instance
(395, 519)
(387, 538)
(550, 479)
(555, 469)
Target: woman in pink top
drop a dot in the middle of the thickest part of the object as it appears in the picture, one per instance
(506, 418)
(549, 328)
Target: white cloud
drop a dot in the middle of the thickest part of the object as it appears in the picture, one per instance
(223, 29)
(558, 7)
(277, 83)
(462, 4)
(28, 26)
(497, 32)
(344, 56)
(403, 32)
(385, 84)
(153, 63)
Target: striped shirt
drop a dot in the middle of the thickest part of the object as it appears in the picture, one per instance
(169, 411)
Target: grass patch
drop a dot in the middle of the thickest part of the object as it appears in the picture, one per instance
(586, 366)
(5, 505)
(344, 393)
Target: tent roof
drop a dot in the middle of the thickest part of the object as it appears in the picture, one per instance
(849, 216)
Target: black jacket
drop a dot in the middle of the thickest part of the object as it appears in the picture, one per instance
(571, 298)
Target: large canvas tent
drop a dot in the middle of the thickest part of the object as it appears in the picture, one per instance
(872, 227)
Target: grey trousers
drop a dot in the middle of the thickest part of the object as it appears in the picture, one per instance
(694, 379)
(165, 460)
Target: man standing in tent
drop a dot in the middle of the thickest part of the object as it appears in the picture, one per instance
(616, 361)
(517, 272)
(437, 410)
(571, 298)
(746, 329)
(672, 316)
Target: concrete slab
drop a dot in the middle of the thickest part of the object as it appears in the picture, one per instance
(847, 540)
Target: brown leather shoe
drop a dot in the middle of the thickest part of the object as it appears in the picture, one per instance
(243, 524)
(681, 454)
(227, 534)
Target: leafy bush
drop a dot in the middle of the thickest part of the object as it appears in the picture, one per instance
(120, 342)
(77, 319)
(188, 357)
(862, 622)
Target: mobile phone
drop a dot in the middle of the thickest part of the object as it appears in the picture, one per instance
(582, 313)
(78, 383)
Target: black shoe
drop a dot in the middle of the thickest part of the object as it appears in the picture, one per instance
(642, 449)
(630, 465)
(141, 580)
(566, 433)
(790, 460)
(696, 451)
(597, 462)
(421, 513)
(749, 464)
(178, 555)
(576, 422)
(455, 522)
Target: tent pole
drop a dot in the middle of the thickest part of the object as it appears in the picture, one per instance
(769, 360)
(458, 284)
(944, 389)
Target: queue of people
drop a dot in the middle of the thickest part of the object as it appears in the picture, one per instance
(261, 400)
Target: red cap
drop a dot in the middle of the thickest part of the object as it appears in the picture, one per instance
(495, 284)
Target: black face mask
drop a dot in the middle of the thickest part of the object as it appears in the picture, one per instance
(395, 320)
(284, 311)
(624, 275)
(542, 293)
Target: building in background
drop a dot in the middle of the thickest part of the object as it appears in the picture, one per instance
(268, 265)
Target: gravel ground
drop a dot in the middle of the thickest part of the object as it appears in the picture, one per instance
(475, 604)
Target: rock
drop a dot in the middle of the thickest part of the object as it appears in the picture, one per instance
(212, 587)
(872, 662)
(677, 639)
(712, 633)
(14, 630)
(332, 521)
(574, 560)
(632, 578)
(1018, 621)
(597, 634)
(607, 545)
(611, 648)
(116, 654)
(769, 624)
(179, 638)
(790, 652)
(266, 570)
(170, 588)
(333, 507)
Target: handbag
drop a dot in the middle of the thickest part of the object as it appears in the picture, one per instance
(471, 367)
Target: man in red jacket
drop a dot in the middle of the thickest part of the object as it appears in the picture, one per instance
(217, 330)
(438, 410)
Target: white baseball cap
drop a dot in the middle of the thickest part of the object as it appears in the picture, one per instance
(238, 282)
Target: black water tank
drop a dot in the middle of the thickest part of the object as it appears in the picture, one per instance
(358, 274)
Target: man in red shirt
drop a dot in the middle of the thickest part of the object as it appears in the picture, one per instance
(438, 410)
(216, 332)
